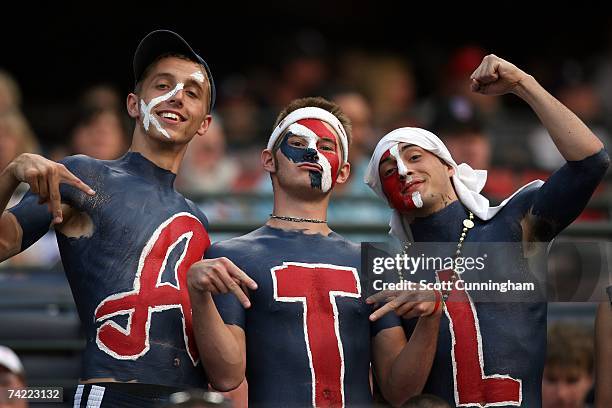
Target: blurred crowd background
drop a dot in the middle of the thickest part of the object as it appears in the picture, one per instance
(63, 92)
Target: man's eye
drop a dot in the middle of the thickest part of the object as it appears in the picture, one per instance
(327, 148)
(162, 86)
(415, 157)
(297, 143)
(192, 94)
(389, 171)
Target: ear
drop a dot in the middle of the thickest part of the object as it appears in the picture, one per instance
(450, 170)
(204, 125)
(267, 161)
(343, 173)
(133, 106)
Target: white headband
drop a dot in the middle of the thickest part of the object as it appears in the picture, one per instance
(311, 113)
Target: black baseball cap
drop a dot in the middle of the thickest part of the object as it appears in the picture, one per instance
(160, 42)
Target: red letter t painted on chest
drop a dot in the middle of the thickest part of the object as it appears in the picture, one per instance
(317, 286)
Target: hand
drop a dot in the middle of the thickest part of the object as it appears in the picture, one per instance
(44, 177)
(496, 76)
(407, 303)
(220, 275)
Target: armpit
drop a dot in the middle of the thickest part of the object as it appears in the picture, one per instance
(536, 229)
(76, 224)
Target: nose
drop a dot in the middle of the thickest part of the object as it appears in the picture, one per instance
(405, 173)
(311, 155)
(177, 98)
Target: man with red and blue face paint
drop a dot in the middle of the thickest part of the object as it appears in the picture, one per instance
(126, 237)
(491, 352)
(302, 331)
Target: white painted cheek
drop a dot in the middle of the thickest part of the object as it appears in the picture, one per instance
(417, 200)
(145, 109)
(326, 179)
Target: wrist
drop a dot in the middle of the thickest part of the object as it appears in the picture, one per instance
(8, 174)
(525, 86)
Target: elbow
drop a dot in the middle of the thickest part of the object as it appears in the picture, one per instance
(227, 383)
(7, 249)
(398, 401)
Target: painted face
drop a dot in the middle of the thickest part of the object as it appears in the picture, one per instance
(397, 183)
(163, 119)
(310, 144)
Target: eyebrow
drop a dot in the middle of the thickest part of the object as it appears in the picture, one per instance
(388, 158)
(408, 146)
(327, 139)
(188, 82)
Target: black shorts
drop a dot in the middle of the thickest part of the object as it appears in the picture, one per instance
(122, 395)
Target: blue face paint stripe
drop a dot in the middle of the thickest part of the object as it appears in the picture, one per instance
(302, 155)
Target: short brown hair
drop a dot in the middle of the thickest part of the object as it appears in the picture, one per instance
(317, 102)
(570, 347)
(147, 71)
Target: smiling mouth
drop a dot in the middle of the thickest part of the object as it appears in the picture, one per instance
(170, 117)
(412, 186)
(311, 167)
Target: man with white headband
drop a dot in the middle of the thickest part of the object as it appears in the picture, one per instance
(305, 331)
(488, 353)
(121, 227)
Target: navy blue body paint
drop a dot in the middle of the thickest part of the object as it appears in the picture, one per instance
(513, 334)
(134, 198)
(278, 369)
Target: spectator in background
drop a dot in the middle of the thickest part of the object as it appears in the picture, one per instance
(12, 376)
(102, 96)
(357, 109)
(461, 127)
(390, 86)
(603, 353)
(568, 372)
(458, 123)
(10, 95)
(16, 137)
(99, 132)
(304, 71)
(206, 167)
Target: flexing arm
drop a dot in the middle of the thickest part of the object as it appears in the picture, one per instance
(587, 161)
(402, 367)
(572, 137)
(222, 347)
(44, 177)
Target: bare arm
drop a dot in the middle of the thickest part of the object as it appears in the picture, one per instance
(496, 76)
(603, 356)
(44, 177)
(222, 347)
(395, 359)
(402, 367)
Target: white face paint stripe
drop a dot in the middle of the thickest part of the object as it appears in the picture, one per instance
(312, 138)
(145, 109)
(416, 199)
(401, 167)
(198, 75)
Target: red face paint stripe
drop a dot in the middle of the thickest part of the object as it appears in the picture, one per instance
(392, 187)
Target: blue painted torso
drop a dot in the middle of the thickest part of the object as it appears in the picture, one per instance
(512, 333)
(281, 339)
(128, 275)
